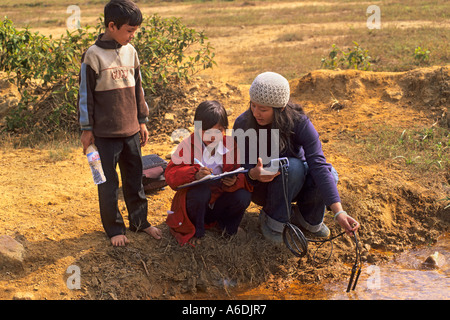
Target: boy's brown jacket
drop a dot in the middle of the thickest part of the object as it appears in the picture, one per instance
(111, 98)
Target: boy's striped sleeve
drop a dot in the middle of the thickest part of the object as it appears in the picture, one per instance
(86, 97)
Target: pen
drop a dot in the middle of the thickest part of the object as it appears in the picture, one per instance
(198, 162)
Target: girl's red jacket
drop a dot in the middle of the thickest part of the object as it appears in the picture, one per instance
(182, 169)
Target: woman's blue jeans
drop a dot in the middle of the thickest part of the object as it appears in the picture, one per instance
(301, 189)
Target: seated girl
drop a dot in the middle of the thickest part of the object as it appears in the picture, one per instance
(208, 150)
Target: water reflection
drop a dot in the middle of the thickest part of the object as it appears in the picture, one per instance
(399, 284)
(402, 278)
(295, 291)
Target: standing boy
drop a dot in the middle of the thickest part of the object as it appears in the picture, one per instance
(113, 113)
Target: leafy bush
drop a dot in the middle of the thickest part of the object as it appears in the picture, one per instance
(162, 45)
(356, 58)
(46, 70)
(421, 55)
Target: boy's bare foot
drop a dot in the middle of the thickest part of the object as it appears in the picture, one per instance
(119, 240)
(154, 232)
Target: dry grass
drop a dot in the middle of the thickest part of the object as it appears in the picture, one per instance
(290, 37)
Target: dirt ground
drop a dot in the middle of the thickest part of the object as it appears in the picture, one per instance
(48, 203)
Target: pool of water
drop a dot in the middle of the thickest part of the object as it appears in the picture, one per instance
(402, 278)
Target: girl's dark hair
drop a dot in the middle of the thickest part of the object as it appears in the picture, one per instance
(284, 120)
(210, 113)
(122, 12)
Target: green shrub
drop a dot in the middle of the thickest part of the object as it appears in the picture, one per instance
(46, 70)
(421, 55)
(356, 58)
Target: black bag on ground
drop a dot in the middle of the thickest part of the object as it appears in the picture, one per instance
(153, 172)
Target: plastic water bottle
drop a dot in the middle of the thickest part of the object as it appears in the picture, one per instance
(95, 164)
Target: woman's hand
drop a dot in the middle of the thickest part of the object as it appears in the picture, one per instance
(349, 224)
(259, 173)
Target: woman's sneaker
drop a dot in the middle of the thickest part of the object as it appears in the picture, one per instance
(268, 233)
(322, 233)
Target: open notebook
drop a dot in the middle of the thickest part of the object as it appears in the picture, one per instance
(213, 177)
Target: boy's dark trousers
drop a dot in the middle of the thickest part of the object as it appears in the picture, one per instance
(227, 211)
(127, 153)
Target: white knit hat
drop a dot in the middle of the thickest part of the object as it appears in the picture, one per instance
(270, 90)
